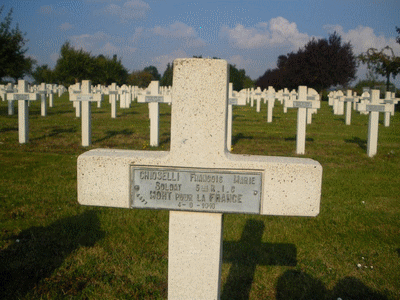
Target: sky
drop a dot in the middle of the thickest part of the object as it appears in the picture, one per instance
(250, 34)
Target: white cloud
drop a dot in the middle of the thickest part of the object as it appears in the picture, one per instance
(277, 32)
(180, 31)
(362, 38)
(54, 57)
(89, 42)
(66, 26)
(130, 10)
(160, 62)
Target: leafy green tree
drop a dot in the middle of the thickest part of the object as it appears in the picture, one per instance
(319, 64)
(109, 71)
(43, 74)
(74, 65)
(153, 71)
(141, 79)
(382, 62)
(166, 79)
(398, 37)
(12, 42)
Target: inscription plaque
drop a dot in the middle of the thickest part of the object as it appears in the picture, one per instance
(154, 99)
(215, 190)
(375, 108)
(21, 97)
(233, 101)
(302, 104)
(84, 97)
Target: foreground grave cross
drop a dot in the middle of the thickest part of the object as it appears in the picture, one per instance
(23, 97)
(198, 180)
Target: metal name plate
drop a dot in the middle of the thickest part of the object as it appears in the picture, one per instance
(233, 101)
(302, 104)
(375, 108)
(350, 99)
(113, 92)
(208, 190)
(21, 97)
(154, 99)
(84, 97)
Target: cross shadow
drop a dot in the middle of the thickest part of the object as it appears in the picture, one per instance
(112, 133)
(291, 139)
(295, 284)
(240, 136)
(398, 251)
(249, 252)
(38, 251)
(7, 129)
(356, 140)
(56, 131)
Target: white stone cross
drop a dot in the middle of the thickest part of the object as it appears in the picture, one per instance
(349, 99)
(23, 97)
(269, 95)
(153, 97)
(234, 98)
(390, 100)
(303, 104)
(43, 105)
(113, 97)
(85, 97)
(8, 90)
(374, 108)
(198, 180)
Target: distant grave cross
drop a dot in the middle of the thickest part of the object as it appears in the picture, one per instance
(85, 97)
(23, 97)
(198, 180)
(153, 97)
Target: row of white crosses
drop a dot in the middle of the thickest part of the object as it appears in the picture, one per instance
(198, 180)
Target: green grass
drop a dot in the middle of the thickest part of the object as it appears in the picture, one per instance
(53, 248)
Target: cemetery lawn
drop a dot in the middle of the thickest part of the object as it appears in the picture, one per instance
(53, 248)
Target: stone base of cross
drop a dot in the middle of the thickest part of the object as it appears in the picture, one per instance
(198, 180)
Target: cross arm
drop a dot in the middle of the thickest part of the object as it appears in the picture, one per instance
(290, 186)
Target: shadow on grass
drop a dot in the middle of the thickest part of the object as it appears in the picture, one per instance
(249, 252)
(240, 136)
(356, 140)
(294, 284)
(291, 139)
(38, 251)
(56, 131)
(398, 251)
(7, 129)
(112, 133)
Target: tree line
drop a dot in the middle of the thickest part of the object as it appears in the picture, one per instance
(320, 64)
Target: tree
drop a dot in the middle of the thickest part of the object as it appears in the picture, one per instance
(382, 62)
(74, 65)
(43, 74)
(154, 72)
(319, 64)
(141, 79)
(12, 42)
(166, 79)
(398, 37)
(109, 71)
